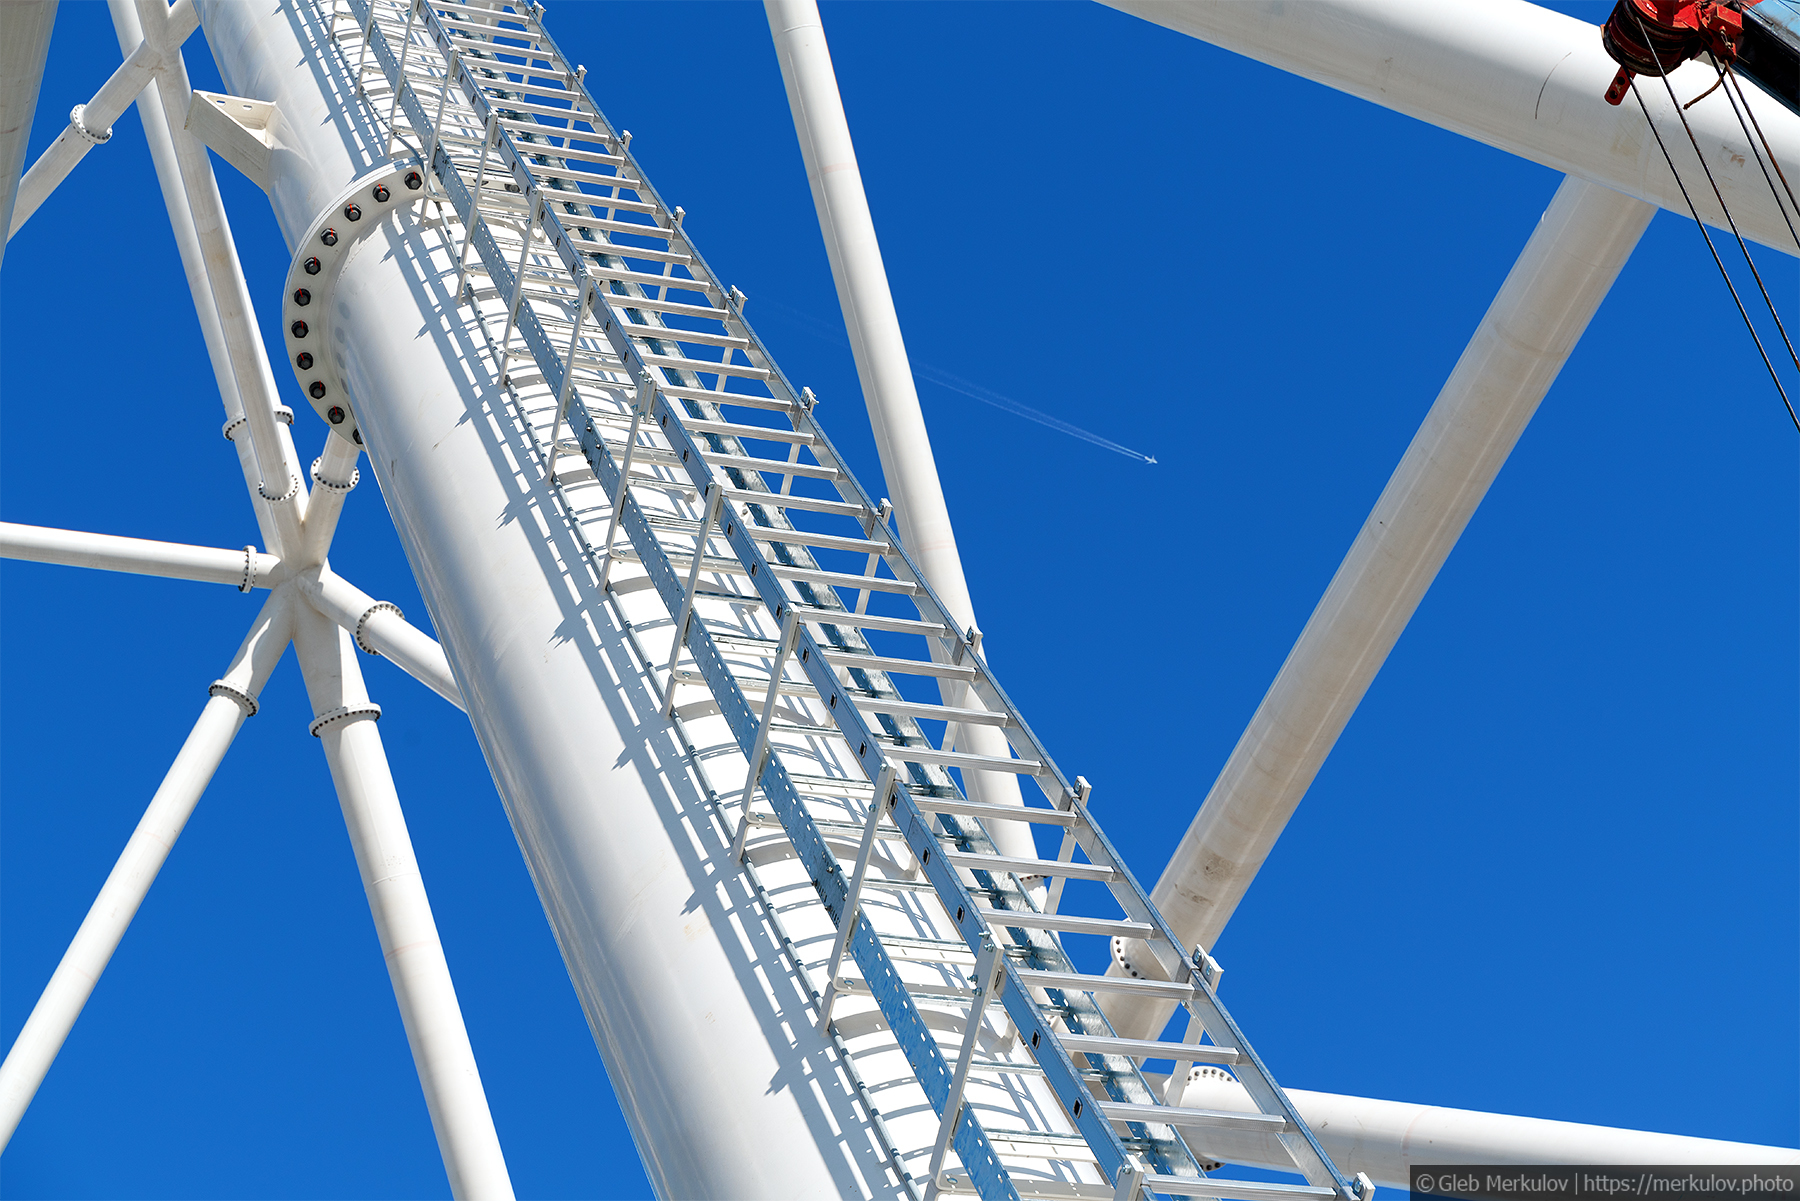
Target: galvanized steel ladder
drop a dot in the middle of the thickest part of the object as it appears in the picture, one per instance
(610, 310)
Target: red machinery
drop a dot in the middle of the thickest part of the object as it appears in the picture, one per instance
(1653, 37)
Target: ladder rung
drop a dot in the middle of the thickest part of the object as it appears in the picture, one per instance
(900, 708)
(1017, 813)
(815, 471)
(1036, 1188)
(1167, 990)
(893, 625)
(708, 395)
(1233, 1190)
(772, 500)
(962, 759)
(703, 312)
(1108, 927)
(769, 533)
(1031, 867)
(1143, 1048)
(905, 667)
(1206, 1119)
(680, 362)
(625, 275)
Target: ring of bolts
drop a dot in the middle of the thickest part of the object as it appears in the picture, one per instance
(303, 296)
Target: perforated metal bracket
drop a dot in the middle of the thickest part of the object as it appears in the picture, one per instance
(312, 278)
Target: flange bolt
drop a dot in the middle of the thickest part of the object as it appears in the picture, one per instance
(317, 389)
(312, 266)
(303, 360)
(329, 237)
(381, 193)
(298, 329)
(302, 296)
(335, 414)
(414, 180)
(352, 212)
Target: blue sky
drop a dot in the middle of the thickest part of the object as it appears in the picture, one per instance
(1550, 869)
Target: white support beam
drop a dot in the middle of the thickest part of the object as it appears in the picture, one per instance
(1554, 289)
(1515, 76)
(24, 42)
(882, 366)
(344, 722)
(243, 569)
(233, 699)
(1386, 1139)
(90, 124)
(380, 629)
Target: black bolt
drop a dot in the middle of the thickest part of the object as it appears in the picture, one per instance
(304, 360)
(302, 296)
(312, 266)
(414, 181)
(352, 212)
(317, 389)
(357, 434)
(335, 414)
(298, 329)
(329, 237)
(381, 193)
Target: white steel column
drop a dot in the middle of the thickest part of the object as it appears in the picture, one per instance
(881, 363)
(233, 699)
(24, 42)
(1580, 244)
(344, 722)
(279, 479)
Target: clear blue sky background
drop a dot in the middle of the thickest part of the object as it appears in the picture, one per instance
(1550, 869)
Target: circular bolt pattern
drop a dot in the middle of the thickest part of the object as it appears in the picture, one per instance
(312, 266)
(317, 389)
(381, 193)
(298, 329)
(304, 360)
(336, 414)
(414, 180)
(329, 237)
(352, 212)
(302, 296)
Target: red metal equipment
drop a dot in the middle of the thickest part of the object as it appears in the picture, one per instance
(1653, 37)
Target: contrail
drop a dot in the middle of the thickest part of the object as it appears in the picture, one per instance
(955, 383)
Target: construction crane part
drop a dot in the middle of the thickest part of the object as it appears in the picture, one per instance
(1653, 37)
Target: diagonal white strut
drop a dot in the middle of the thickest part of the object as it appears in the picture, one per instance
(1564, 272)
(882, 365)
(233, 699)
(24, 42)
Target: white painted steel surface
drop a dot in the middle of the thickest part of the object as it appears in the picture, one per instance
(139, 556)
(24, 42)
(1515, 76)
(233, 698)
(904, 444)
(1386, 1139)
(379, 628)
(1581, 243)
(697, 1014)
(344, 722)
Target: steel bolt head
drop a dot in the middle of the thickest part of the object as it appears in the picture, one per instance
(312, 266)
(381, 193)
(414, 180)
(357, 434)
(298, 329)
(302, 296)
(318, 389)
(329, 237)
(304, 360)
(352, 212)
(335, 414)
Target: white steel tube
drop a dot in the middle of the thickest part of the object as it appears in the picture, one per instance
(243, 569)
(380, 629)
(24, 43)
(344, 721)
(1386, 1139)
(882, 366)
(684, 985)
(233, 699)
(130, 32)
(1515, 76)
(334, 474)
(1561, 277)
(279, 481)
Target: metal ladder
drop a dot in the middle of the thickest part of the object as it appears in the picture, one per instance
(795, 611)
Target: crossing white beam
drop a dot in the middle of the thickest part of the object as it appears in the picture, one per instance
(380, 629)
(882, 365)
(1515, 76)
(90, 124)
(245, 569)
(1561, 277)
(24, 42)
